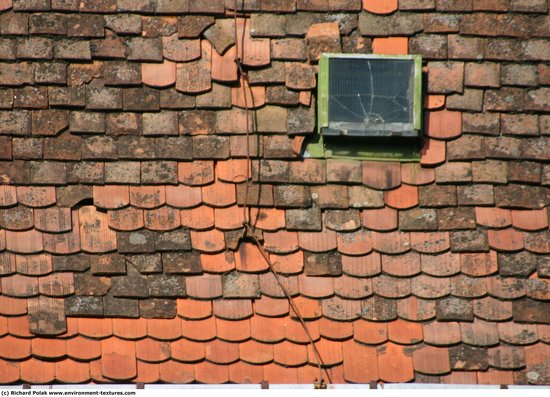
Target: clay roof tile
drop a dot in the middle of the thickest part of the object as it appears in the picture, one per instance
(493, 217)
(271, 307)
(151, 350)
(335, 330)
(342, 310)
(54, 219)
(126, 219)
(256, 352)
(394, 365)
(36, 196)
(175, 372)
(242, 372)
(431, 242)
(391, 243)
(360, 363)
(424, 286)
(48, 348)
(13, 348)
(281, 242)
(354, 243)
(182, 196)
(164, 329)
(147, 196)
(9, 371)
(111, 196)
(194, 309)
(199, 330)
(229, 218)
(415, 174)
(505, 239)
(330, 352)
(267, 329)
(402, 197)
(83, 349)
(492, 309)
(187, 351)
(372, 333)
(530, 219)
(415, 309)
(442, 333)
(289, 354)
(445, 264)
(233, 309)
(208, 241)
(479, 333)
(206, 372)
(220, 352)
(431, 360)
(352, 287)
(37, 371)
(361, 266)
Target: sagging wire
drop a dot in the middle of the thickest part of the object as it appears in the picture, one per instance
(249, 228)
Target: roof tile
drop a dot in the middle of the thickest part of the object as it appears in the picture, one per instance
(335, 330)
(94, 231)
(274, 373)
(9, 371)
(468, 287)
(355, 357)
(82, 348)
(315, 287)
(289, 354)
(405, 332)
(464, 357)
(270, 307)
(36, 196)
(267, 218)
(57, 284)
(64, 243)
(295, 332)
(536, 242)
(481, 264)
(8, 196)
(24, 242)
(12, 306)
(424, 286)
(415, 174)
(381, 175)
(224, 67)
(208, 241)
(460, 377)
(163, 218)
(147, 372)
(159, 74)
(152, 350)
(111, 196)
(442, 333)
(182, 196)
(198, 218)
(415, 309)
(330, 352)
(380, 6)
(391, 287)
(339, 309)
(404, 265)
(394, 364)
(495, 377)
(249, 258)
(253, 52)
(352, 287)
(175, 372)
(194, 309)
(218, 263)
(505, 239)
(430, 242)
(246, 96)
(164, 329)
(19, 286)
(431, 360)
(19, 326)
(8, 262)
(206, 372)
(93, 328)
(195, 76)
(130, 328)
(506, 357)
(492, 309)
(318, 241)
(37, 371)
(288, 264)
(14, 348)
(266, 329)
(403, 197)
(241, 372)
(126, 219)
(361, 266)
(233, 330)
(196, 173)
(493, 217)
(147, 196)
(33, 265)
(187, 351)
(219, 194)
(530, 220)
(506, 287)
(232, 309)
(255, 352)
(70, 371)
(308, 308)
(118, 359)
(281, 242)
(383, 219)
(454, 309)
(433, 152)
(220, 352)
(479, 333)
(270, 287)
(199, 330)
(354, 243)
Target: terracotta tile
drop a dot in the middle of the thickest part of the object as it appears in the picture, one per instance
(403, 197)
(37, 371)
(182, 196)
(305, 98)
(330, 351)
(318, 241)
(233, 170)
(482, 264)
(8, 196)
(147, 372)
(233, 331)
(391, 242)
(126, 219)
(390, 45)
(198, 218)
(64, 243)
(232, 309)
(219, 194)
(255, 352)
(445, 264)
(360, 363)
(468, 287)
(194, 309)
(96, 372)
(243, 373)
(492, 309)
(342, 310)
(538, 289)
(495, 377)
(288, 264)
(81, 348)
(95, 235)
(431, 360)
(206, 372)
(404, 265)
(290, 354)
(244, 95)
(196, 173)
(56, 284)
(28, 242)
(309, 308)
(295, 332)
(152, 350)
(9, 372)
(381, 175)
(506, 357)
(537, 242)
(405, 332)
(354, 243)
(164, 329)
(13, 348)
(199, 330)
(36, 196)
(208, 241)
(335, 330)
(270, 219)
(267, 329)
(249, 258)
(95, 328)
(391, 287)
(147, 196)
(187, 351)
(281, 242)
(163, 218)
(218, 263)
(460, 378)
(195, 76)
(424, 286)
(506, 288)
(174, 372)
(505, 239)
(53, 219)
(415, 309)
(530, 219)
(33, 265)
(206, 286)
(493, 217)
(72, 328)
(19, 286)
(130, 328)
(433, 152)
(415, 174)
(229, 218)
(271, 307)
(434, 101)
(224, 67)
(316, 287)
(158, 74)
(2, 240)
(253, 52)
(308, 374)
(276, 374)
(3, 326)
(111, 196)
(70, 371)
(430, 242)
(12, 306)
(19, 326)
(221, 352)
(361, 266)
(270, 287)
(394, 365)
(352, 287)
(380, 6)
(443, 124)
(479, 333)
(442, 333)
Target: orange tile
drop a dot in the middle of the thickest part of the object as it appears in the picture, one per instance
(28, 242)
(83, 349)
(415, 309)
(405, 332)
(360, 362)
(335, 330)
(479, 333)
(182, 196)
(432, 102)
(390, 45)
(481, 264)
(330, 352)
(36, 196)
(244, 95)
(459, 378)
(495, 377)
(9, 372)
(316, 287)
(8, 262)
(442, 333)
(53, 219)
(295, 332)
(269, 219)
(281, 241)
(152, 350)
(195, 76)
(196, 173)
(424, 286)
(126, 219)
(220, 352)
(147, 372)
(198, 218)
(431, 360)
(147, 196)
(208, 241)
(309, 308)
(48, 348)
(232, 330)
(249, 258)
(380, 6)
(493, 217)
(34, 265)
(506, 287)
(158, 74)
(505, 239)
(206, 286)
(443, 124)
(70, 371)
(530, 219)
(403, 197)
(354, 243)
(174, 372)
(179, 50)
(255, 352)
(224, 67)
(164, 329)
(415, 174)
(72, 328)
(130, 328)
(352, 287)
(339, 309)
(391, 243)
(187, 351)
(206, 372)
(381, 175)
(233, 170)
(163, 218)
(271, 307)
(218, 263)
(64, 243)
(430, 242)
(37, 371)
(289, 354)
(274, 374)
(383, 219)
(404, 265)
(288, 264)
(270, 287)
(253, 52)
(12, 306)
(111, 196)
(19, 286)
(2, 240)
(8, 196)
(367, 265)
(96, 372)
(267, 329)
(118, 359)
(13, 348)
(194, 309)
(445, 264)
(95, 328)
(95, 235)
(243, 373)
(199, 330)
(433, 152)
(305, 98)
(394, 364)
(229, 218)
(19, 326)
(318, 241)
(56, 284)
(232, 309)
(219, 194)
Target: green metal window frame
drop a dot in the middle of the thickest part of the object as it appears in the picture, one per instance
(364, 148)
